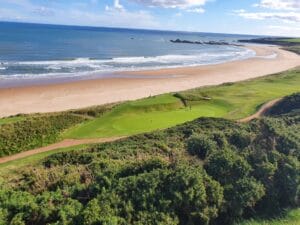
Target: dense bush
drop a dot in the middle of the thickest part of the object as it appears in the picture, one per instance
(200, 146)
(164, 195)
(286, 105)
(26, 132)
(34, 132)
(241, 190)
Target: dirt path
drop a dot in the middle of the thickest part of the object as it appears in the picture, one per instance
(63, 144)
(261, 111)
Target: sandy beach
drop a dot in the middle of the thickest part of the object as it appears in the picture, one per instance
(79, 94)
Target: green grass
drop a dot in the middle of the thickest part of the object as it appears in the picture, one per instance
(291, 40)
(11, 119)
(295, 48)
(145, 115)
(232, 101)
(291, 218)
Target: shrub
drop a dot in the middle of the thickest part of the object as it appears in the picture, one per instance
(34, 132)
(239, 138)
(200, 145)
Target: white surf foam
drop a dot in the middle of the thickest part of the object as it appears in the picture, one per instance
(56, 64)
(271, 56)
(86, 66)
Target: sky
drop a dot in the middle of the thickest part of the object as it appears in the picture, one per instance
(257, 17)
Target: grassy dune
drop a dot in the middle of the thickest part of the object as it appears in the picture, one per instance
(11, 119)
(294, 44)
(291, 40)
(232, 101)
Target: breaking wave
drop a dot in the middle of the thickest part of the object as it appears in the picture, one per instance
(82, 66)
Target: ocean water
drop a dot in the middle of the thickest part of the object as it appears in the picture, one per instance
(35, 51)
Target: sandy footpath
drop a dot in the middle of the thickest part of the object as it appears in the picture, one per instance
(62, 144)
(79, 94)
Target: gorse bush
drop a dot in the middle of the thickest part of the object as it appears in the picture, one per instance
(200, 146)
(152, 178)
(34, 132)
(172, 194)
(288, 104)
(26, 132)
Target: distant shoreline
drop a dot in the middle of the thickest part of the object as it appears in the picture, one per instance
(79, 94)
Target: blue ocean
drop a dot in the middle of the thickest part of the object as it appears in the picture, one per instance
(35, 50)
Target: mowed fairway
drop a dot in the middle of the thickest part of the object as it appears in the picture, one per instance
(145, 115)
(232, 101)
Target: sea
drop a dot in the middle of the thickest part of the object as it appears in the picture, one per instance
(37, 51)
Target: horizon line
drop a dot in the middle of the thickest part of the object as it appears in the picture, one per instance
(132, 28)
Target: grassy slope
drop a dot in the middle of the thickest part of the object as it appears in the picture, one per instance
(290, 44)
(11, 119)
(291, 218)
(231, 101)
(144, 115)
(291, 40)
(294, 44)
(25, 132)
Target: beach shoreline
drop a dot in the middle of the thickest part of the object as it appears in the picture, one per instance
(46, 79)
(67, 95)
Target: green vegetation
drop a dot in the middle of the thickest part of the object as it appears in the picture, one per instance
(34, 132)
(289, 104)
(25, 132)
(204, 172)
(294, 48)
(144, 115)
(12, 167)
(11, 119)
(290, 44)
(291, 40)
(288, 218)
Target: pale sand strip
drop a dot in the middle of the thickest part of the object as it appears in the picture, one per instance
(79, 94)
